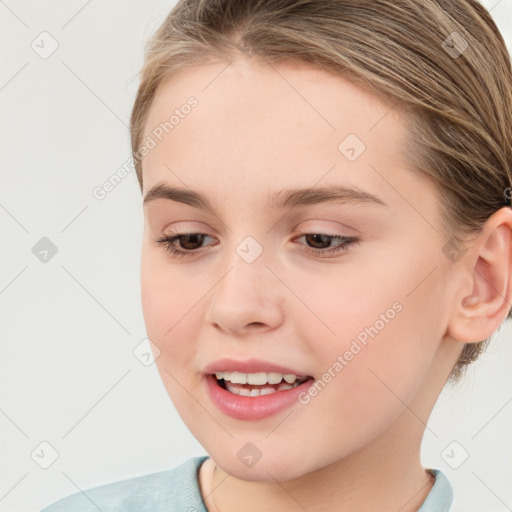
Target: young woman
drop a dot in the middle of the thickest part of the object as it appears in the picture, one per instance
(327, 242)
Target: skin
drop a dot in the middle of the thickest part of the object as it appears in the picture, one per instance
(258, 129)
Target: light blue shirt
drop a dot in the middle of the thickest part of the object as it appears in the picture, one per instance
(177, 490)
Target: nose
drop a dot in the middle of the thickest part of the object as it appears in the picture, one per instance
(249, 297)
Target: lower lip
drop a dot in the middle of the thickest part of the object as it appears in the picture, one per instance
(253, 407)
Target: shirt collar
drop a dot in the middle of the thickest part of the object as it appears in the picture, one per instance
(440, 497)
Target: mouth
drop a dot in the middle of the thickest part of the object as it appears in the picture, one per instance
(261, 390)
(257, 384)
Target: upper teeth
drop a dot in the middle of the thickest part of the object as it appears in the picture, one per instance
(258, 378)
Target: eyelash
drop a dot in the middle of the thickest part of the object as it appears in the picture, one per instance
(346, 241)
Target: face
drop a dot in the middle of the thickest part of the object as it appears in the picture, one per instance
(348, 290)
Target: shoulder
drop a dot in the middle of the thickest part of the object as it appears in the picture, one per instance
(166, 490)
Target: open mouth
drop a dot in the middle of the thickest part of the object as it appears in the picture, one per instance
(257, 384)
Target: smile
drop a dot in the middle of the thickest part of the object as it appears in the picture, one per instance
(257, 384)
(249, 402)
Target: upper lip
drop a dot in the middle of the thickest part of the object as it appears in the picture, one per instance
(249, 366)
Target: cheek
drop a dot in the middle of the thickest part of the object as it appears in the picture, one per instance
(367, 381)
(168, 311)
(379, 334)
(167, 317)
(166, 295)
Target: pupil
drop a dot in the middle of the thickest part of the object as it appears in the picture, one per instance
(193, 236)
(316, 238)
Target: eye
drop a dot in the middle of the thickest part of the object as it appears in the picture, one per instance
(322, 243)
(187, 243)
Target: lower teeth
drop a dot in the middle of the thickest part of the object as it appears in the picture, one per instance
(237, 389)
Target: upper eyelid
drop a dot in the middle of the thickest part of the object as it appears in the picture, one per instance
(326, 232)
(298, 210)
(313, 229)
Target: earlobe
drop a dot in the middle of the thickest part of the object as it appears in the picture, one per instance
(478, 315)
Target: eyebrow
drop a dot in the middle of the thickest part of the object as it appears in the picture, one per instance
(286, 198)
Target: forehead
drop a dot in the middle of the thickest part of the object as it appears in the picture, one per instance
(256, 122)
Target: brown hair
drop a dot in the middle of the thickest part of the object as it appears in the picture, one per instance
(442, 62)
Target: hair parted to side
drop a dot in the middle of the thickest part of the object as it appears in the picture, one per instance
(458, 107)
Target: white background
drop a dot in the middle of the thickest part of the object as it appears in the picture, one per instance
(69, 326)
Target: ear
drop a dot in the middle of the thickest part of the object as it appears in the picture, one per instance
(484, 301)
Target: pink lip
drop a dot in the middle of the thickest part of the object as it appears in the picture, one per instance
(253, 407)
(248, 366)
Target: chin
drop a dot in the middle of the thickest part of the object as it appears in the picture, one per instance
(270, 470)
(275, 466)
